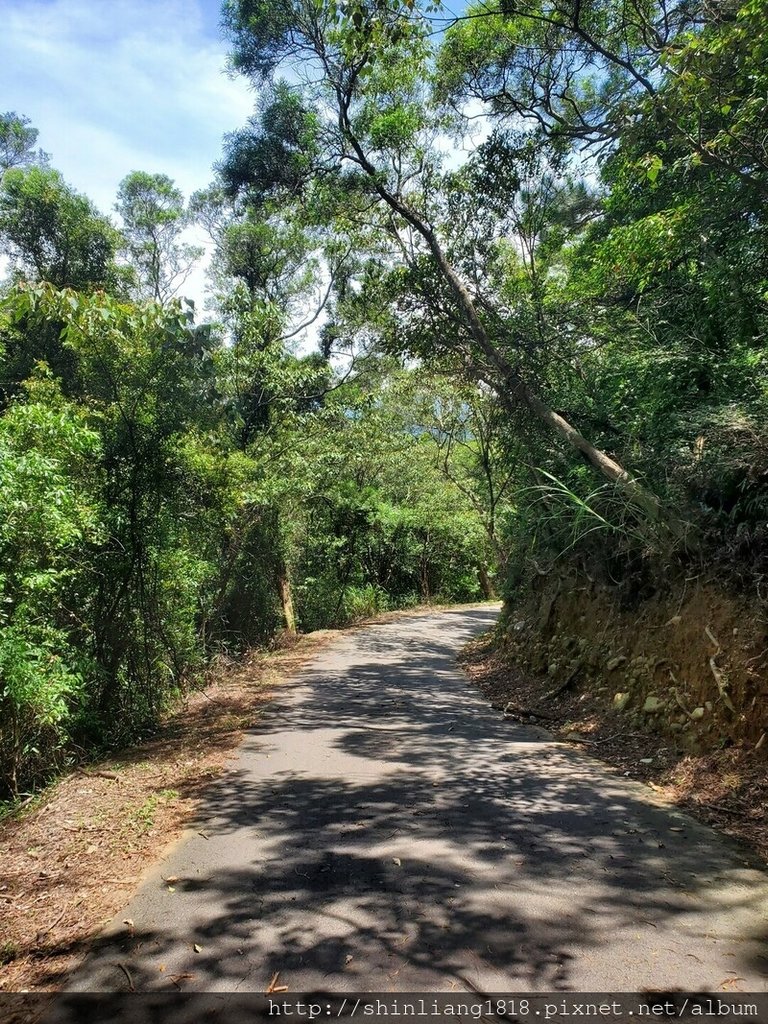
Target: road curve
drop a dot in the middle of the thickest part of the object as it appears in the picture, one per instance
(384, 829)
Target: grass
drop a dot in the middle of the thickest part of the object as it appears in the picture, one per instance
(8, 952)
(142, 819)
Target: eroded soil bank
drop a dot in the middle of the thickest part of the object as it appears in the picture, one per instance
(673, 690)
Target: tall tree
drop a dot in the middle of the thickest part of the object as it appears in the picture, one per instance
(54, 234)
(17, 142)
(363, 116)
(51, 234)
(591, 70)
(152, 210)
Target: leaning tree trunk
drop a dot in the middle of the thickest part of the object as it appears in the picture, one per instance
(514, 392)
(510, 386)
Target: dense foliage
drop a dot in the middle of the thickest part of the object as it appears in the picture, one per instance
(170, 490)
(597, 258)
(436, 357)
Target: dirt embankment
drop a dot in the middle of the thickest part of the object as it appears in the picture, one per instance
(691, 664)
(673, 691)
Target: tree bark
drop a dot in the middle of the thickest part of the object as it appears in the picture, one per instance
(510, 386)
(286, 600)
(485, 583)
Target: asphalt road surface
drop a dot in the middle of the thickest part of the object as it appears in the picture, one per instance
(385, 830)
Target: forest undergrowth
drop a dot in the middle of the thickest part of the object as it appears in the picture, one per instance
(445, 355)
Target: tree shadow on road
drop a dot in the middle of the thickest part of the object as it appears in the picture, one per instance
(432, 844)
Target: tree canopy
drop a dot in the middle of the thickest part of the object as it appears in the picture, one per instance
(487, 289)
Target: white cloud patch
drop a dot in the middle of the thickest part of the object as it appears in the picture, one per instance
(120, 85)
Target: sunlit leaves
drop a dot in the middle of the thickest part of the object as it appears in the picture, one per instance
(52, 233)
(48, 516)
(276, 152)
(153, 216)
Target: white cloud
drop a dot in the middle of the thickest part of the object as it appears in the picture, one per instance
(121, 85)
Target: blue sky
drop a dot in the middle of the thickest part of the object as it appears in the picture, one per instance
(120, 85)
(115, 86)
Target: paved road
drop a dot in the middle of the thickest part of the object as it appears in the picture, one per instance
(386, 830)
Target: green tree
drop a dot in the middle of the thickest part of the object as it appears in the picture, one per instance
(142, 375)
(590, 72)
(473, 441)
(153, 216)
(379, 130)
(52, 233)
(48, 517)
(17, 142)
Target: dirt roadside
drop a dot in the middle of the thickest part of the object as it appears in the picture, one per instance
(727, 789)
(72, 857)
(70, 860)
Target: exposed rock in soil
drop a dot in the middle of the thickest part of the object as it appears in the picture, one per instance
(690, 664)
(674, 691)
